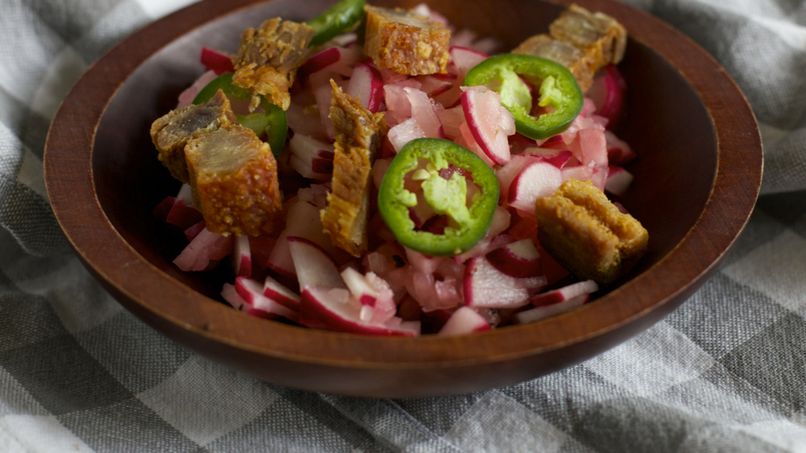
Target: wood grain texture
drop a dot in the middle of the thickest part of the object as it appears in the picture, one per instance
(696, 183)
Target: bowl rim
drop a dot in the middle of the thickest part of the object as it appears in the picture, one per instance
(105, 252)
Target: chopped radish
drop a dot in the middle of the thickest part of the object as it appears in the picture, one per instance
(486, 286)
(436, 84)
(398, 107)
(510, 170)
(451, 119)
(257, 304)
(205, 249)
(423, 111)
(404, 132)
(536, 314)
(536, 180)
(186, 97)
(558, 158)
(489, 122)
(565, 293)
(328, 63)
(313, 266)
(463, 321)
(467, 140)
(517, 259)
(162, 208)
(324, 94)
(280, 257)
(232, 297)
(194, 230)
(423, 10)
(315, 195)
(618, 151)
(421, 262)
(596, 175)
(333, 309)
(242, 257)
(607, 93)
(554, 271)
(464, 59)
(183, 214)
(318, 62)
(618, 180)
(592, 146)
(216, 61)
(304, 120)
(302, 220)
(279, 293)
(311, 158)
(372, 291)
(366, 85)
(432, 293)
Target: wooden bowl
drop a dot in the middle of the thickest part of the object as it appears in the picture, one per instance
(696, 182)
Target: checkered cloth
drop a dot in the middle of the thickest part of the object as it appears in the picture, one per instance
(726, 372)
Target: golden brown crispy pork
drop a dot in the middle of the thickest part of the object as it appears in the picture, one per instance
(234, 178)
(171, 132)
(358, 134)
(406, 42)
(587, 233)
(268, 59)
(599, 40)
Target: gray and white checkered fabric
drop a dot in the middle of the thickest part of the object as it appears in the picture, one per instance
(726, 372)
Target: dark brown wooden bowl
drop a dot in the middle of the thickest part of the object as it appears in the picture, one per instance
(696, 182)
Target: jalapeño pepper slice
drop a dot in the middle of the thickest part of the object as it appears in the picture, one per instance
(339, 18)
(270, 123)
(560, 97)
(445, 172)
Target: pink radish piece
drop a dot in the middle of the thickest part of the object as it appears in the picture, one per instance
(216, 61)
(618, 151)
(366, 85)
(373, 292)
(311, 158)
(186, 97)
(517, 259)
(463, 321)
(334, 309)
(404, 132)
(434, 85)
(242, 257)
(183, 214)
(467, 140)
(607, 93)
(489, 122)
(232, 297)
(510, 170)
(423, 111)
(194, 230)
(546, 311)
(536, 180)
(280, 257)
(464, 59)
(313, 266)
(279, 293)
(450, 120)
(204, 250)
(486, 286)
(256, 304)
(398, 108)
(618, 180)
(565, 293)
(592, 146)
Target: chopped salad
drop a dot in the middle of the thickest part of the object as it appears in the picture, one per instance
(377, 171)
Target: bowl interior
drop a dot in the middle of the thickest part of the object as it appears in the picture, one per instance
(666, 123)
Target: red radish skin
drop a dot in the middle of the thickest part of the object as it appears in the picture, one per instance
(183, 214)
(242, 257)
(333, 309)
(508, 172)
(256, 304)
(366, 85)
(618, 151)
(607, 93)
(483, 112)
(275, 291)
(162, 208)
(536, 180)
(518, 259)
(371, 290)
(203, 251)
(546, 311)
(313, 266)
(216, 61)
(434, 85)
(565, 293)
(618, 180)
(464, 59)
(486, 286)
(463, 321)
(467, 140)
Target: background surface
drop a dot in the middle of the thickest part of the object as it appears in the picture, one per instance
(726, 372)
